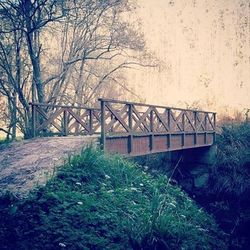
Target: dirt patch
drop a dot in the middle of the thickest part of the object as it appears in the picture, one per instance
(28, 163)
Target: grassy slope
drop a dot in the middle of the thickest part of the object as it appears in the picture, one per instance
(103, 202)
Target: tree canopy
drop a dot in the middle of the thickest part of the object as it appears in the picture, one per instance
(65, 52)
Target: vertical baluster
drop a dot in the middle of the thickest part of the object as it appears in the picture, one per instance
(103, 126)
(33, 110)
(151, 129)
(169, 128)
(65, 122)
(183, 128)
(195, 127)
(205, 135)
(112, 127)
(130, 124)
(214, 134)
(90, 121)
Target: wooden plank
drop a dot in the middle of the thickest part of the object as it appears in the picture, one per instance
(140, 123)
(65, 122)
(151, 105)
(44, 115)
(135, 118)
(142, 119)
(130, 124)
(209, 120)
(33, 108)
(200, 122)
(117, 115)
(76, 123)
(190, 121)
(78, 119)
(176, 120)
(103, 128)
(118, 124)
(61, 106)
(51, 119)
(161, 119)
(114, 119)
(97, 115)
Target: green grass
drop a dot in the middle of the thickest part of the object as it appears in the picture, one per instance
(98, 201)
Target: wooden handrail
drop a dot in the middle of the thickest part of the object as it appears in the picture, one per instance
(151, 105)
(62, 106)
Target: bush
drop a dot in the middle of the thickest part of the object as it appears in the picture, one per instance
(98, 201)
(231, 173)
(229, 190)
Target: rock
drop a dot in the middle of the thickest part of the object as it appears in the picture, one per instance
(201, 180)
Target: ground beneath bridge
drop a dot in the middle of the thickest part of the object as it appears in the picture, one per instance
(28, 163)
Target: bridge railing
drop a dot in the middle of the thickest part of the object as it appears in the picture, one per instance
(48, 120)
(135, 128)
(126, 127)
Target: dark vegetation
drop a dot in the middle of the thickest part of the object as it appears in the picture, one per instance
(228, 193)
(102, 202)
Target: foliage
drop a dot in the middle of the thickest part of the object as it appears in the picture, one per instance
(98, 201)
(233, 160)
(228, 195)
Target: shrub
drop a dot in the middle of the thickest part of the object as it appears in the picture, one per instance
(231, 173)
(229, 190)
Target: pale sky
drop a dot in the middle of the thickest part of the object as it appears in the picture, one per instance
(204, 46)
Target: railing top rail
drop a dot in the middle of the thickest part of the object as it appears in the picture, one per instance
(62, 106)
(119, 102)
(150, 105)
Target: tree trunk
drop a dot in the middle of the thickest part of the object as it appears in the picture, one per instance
(34, 54)
(32, 37)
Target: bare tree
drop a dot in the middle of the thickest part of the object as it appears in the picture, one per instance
(64, 52)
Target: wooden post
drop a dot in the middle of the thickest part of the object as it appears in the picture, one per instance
(33, 110)
(151, 130)
(130, 124)
(90, 121)
(195, 127)
(183, 128)
(103, 127)
(214, 137)
(65, 122)
(205, 121)
(112, 127)
(169, 128)
(205, 135)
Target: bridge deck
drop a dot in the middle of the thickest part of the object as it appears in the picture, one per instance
(128, 128)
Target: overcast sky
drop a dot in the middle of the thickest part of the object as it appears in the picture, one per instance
(205, 51)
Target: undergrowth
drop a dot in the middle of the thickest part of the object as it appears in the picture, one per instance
(98, 201)
(229, 189)
(232, 170)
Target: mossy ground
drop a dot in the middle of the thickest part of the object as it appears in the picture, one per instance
(97, 201)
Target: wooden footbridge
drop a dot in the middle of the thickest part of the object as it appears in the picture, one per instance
(126, 127)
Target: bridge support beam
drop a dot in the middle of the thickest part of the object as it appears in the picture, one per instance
(191, 168)
(203, 156)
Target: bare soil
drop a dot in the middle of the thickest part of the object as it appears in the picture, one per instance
(26, 164)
